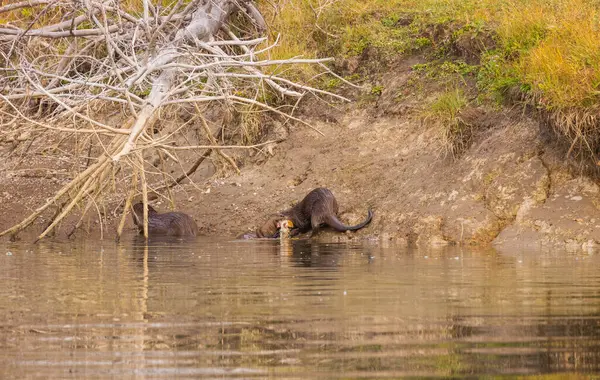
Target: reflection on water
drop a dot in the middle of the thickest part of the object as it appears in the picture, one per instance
(257, 309)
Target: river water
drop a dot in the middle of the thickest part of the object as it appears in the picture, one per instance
(257, 309)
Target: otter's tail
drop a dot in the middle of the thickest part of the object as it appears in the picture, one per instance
(335, 223)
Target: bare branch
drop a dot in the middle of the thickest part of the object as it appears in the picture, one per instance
(23, 4)
(49, 34)
(255, 15)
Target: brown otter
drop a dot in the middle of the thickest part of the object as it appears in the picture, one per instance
(318, 208)
(168, 223)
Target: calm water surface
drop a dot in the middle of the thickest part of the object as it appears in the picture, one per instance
(231, 309)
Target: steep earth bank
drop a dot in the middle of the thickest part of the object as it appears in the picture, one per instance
(510, 187)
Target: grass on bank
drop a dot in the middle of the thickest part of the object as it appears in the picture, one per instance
(454, 135)
(549, 48)
(547, 51)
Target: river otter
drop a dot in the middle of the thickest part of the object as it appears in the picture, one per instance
(318, 208)
(168, 223)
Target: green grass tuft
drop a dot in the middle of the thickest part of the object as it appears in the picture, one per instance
(454, 135)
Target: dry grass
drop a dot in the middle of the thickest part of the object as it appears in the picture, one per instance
(559, 54)
(324, 27)
(547, 50)
(550, 46)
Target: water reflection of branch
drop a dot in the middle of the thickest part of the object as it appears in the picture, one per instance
(144, 298)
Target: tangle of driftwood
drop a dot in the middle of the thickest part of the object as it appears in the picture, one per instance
(98, 52)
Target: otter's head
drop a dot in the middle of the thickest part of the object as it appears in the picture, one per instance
(271, 228)
(138, 213)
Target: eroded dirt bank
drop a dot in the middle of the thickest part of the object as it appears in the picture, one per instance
(506, 189)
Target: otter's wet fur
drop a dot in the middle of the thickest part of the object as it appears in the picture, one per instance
(318, 208)
(168, 223)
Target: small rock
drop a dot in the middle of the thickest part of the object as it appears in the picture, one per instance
(453, 195)
(9, 253)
